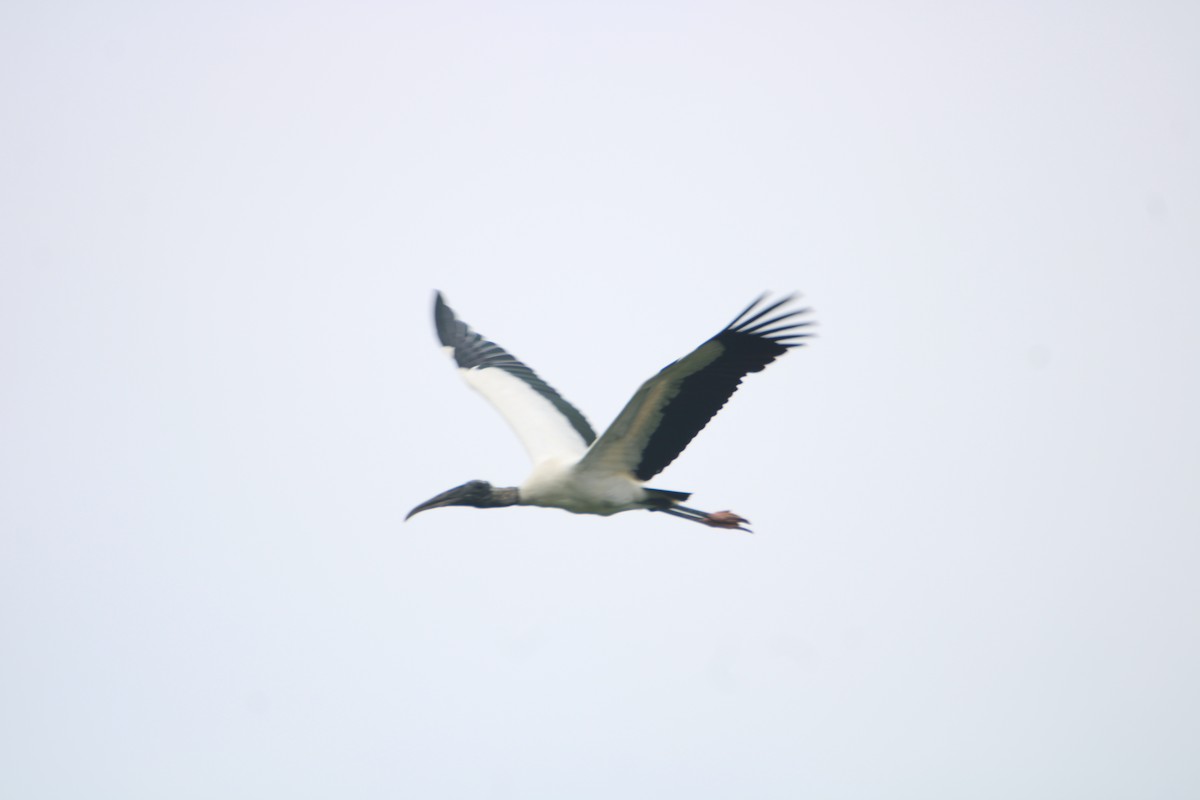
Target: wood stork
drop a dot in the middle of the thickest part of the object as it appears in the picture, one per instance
(575, 471)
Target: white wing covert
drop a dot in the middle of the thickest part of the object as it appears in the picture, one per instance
(547, 425)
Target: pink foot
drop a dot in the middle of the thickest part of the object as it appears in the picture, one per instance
(725, 519)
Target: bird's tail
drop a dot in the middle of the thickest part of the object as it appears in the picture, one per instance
(665, 498)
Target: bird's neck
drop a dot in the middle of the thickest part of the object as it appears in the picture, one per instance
(503, 496)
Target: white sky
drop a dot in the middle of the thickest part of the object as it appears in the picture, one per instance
(976, 496)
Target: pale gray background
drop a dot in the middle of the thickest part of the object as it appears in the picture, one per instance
(975, 567)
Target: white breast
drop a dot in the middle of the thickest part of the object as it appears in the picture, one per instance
(558, 484)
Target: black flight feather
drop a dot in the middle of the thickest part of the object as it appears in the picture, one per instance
(749, 344)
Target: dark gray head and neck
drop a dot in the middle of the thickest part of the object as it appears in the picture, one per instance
(479, 494)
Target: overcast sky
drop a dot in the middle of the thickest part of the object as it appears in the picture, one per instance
(976, 496)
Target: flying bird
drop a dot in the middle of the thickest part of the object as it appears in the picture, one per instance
(576, 471)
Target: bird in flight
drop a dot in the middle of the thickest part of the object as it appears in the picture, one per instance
(578, 472)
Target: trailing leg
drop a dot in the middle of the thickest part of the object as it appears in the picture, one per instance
(716, 519)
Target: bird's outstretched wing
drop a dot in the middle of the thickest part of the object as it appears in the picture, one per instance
(669, 410)
(546, 424)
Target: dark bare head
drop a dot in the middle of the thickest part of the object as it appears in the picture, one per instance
(478, 494)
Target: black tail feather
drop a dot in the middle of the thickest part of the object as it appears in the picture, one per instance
(665, 498)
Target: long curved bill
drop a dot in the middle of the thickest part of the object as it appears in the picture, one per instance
(450, 497)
